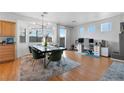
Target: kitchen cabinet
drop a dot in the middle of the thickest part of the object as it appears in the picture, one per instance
(7, 28)
(0, 28)
(7, 52)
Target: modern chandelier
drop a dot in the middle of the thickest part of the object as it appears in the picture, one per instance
(42, 22)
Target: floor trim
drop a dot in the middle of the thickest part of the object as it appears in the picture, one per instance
(113, 59)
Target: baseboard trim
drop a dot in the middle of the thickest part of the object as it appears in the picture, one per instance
(117, 60)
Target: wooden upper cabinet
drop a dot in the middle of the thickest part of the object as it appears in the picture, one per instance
(0, 29)
(7, 28)
(13, 29)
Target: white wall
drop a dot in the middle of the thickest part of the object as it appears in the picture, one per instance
(112, 36)
(22, 23)
(22, 48)
(72, 34)
(68, 37)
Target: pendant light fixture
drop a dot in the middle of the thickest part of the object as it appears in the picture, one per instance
(42, 23)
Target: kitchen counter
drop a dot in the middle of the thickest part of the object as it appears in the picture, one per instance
(7, 44)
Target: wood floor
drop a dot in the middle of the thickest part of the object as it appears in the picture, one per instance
(90, 69)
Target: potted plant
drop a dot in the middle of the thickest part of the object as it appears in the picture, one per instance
(45, 40)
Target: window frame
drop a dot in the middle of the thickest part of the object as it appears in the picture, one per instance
(91, 28)
(106, 27)
(81, 30)
(36, 35)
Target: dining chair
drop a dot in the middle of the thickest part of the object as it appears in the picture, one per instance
(37, 55)
(55, 56)
(29, 56)
(30, 49)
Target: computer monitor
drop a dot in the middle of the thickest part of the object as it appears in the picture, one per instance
(91, 40)
(81, 40)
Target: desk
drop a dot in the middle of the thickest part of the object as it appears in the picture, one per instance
(105, 51)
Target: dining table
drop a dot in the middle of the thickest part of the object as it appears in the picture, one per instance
(47, 49)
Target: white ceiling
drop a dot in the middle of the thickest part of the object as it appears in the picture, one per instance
(66, 18)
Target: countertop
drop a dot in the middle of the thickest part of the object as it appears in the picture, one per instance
(6, 44)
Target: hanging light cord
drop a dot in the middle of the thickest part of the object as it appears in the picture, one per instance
(42, 22)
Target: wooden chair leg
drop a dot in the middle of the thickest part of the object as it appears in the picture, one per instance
(34, 64)
(28, 57)
(48, 63)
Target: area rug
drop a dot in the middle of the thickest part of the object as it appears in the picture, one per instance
(86, 54)
(114, 73)
(40, 74)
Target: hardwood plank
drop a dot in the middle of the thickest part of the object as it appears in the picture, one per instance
(90, 69)
(9, 70)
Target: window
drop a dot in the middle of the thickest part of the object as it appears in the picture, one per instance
(105, 27)
(62, 33)
(35, 35)
(81, 29)
(91, 28)
(50, 35)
